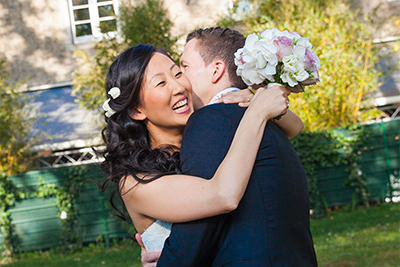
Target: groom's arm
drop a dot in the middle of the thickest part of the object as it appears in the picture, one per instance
(207, 139)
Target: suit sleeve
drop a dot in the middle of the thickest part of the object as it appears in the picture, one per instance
(207, 139)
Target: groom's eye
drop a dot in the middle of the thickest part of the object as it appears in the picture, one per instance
(179, 74)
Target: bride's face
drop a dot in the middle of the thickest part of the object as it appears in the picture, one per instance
(166, 95)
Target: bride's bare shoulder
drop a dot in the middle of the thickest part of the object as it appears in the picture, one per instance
(128, 185)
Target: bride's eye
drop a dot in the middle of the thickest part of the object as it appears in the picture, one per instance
(179, 74)
(160, 83)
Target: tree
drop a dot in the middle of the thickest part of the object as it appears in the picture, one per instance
(344, 45)
(16, 121)
(147, 23)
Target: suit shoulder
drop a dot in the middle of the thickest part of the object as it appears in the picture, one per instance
(230, 112)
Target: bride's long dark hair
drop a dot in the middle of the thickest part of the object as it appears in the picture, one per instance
(128, 149)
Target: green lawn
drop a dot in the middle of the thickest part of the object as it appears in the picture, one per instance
(364, 237)
(123, 256)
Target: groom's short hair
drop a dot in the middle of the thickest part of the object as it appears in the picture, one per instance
(220, 43)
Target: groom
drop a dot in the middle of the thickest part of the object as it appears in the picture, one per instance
(270, 227)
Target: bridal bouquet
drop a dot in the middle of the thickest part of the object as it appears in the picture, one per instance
(275, 56)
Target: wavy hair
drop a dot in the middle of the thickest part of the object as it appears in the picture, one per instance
(128, 149)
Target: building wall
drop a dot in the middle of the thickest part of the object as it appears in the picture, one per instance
(36, 39)
(190, 14)
(385, 13)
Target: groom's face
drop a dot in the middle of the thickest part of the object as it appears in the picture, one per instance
(200, 75)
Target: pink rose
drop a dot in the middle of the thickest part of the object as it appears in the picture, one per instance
(311, 61)
(284, 45)
(295, 34)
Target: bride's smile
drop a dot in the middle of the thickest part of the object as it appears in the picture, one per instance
(181, 107)
(166, 96)
(166, 103)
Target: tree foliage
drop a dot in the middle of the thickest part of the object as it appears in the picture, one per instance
(147, 23)
(16, 121)
(344, 45)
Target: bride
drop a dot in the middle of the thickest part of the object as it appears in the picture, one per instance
(149, 104)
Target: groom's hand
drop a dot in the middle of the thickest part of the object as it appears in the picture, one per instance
(149, 259)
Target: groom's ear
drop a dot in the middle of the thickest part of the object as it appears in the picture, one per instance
(138, 115)
(219, 69)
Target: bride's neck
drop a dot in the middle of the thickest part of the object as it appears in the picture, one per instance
(159, 137)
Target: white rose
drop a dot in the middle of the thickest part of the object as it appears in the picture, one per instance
(238, 58)
(305, 42)
(269, 35)
(257, 61)
(293, 70)
(250, 40)
(250, 74)
(300, 52)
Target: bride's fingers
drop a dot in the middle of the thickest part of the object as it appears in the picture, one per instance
(242, 92)
(139, 240)
(259, 91)
(150, 258)
(287, 91)
(230, 99)
(244, 104)
(240, 96)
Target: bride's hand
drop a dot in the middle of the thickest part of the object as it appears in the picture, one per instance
(270, 103)
(149, 259)
(242, 97)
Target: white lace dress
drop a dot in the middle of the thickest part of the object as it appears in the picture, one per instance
(154, 236)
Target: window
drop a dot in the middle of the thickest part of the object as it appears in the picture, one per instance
(90, 19)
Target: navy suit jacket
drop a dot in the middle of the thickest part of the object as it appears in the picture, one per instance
(270, 227)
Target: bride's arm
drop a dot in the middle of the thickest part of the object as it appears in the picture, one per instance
(182, 198)
(290, 124)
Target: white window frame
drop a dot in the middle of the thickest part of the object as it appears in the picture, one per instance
(94, 20)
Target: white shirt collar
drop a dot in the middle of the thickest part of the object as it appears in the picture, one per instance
(219, 95)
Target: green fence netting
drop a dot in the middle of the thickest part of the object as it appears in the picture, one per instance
(37, 222)
(379, 158)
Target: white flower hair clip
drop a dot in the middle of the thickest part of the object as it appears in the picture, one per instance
(114, 93)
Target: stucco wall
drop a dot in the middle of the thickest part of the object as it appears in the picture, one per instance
(35, 35)
(191, 14)
(35, 40)
(384, 13)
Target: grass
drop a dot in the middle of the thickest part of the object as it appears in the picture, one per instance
(363, 237)
(125, 255)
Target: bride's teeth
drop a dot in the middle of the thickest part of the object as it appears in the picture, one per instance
(180, 104)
